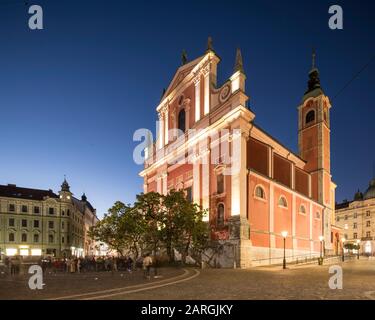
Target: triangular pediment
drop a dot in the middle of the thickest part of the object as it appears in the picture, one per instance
(181, 74)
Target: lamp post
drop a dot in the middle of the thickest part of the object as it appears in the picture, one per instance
(321, 239)
(358, 242)
(343, 256)
(284, 234)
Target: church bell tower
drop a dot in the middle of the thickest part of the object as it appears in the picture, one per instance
(314, 146)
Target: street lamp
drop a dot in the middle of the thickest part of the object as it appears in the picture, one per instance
(343, 256)
(321, 239)
(358, 242)
(284, 234)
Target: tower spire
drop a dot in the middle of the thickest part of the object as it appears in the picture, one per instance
(238, 66)
(313, 59)
(314, 80)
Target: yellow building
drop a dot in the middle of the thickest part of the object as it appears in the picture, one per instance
(37, 222)
(357, 219)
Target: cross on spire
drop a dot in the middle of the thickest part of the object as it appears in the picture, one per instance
(313, 58)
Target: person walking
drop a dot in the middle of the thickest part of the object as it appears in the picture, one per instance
(79, 265)
(129, 264)
(147, 262)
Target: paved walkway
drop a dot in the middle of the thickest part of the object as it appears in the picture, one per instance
(307, 282)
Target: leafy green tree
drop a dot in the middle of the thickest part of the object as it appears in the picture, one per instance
(183, 225)
(110, 228)
(149, 206)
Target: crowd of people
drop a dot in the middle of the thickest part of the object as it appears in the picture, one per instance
(87, 264)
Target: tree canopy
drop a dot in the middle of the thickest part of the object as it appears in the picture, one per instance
(154, 222)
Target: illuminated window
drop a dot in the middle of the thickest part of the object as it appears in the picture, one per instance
(36, 252)
(310, 117)
(259, 192)
(220, 214)
(282, 202)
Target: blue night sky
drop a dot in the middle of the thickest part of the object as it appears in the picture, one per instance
(72, 95)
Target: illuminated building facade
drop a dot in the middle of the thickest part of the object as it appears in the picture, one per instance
(251, 185)
(357, 219)
(41, 223)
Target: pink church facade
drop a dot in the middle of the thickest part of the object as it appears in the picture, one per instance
(252, 186)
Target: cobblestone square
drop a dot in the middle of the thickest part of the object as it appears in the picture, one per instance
(268, 283)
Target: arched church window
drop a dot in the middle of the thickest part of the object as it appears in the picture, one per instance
(259, 192)
(310, 117)
(220, 183)
(282, 202)
(181, 120)
(220, 214)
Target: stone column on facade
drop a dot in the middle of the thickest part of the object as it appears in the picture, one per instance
(196, 179)
(158, 184)
(187, 113)
(294, 221)
(272, 220)
(239, 225)
(166, 126)
(161, 130)
(206, 74)
(206, 182)
(310, 228)
(164, 178)
(197, 84)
